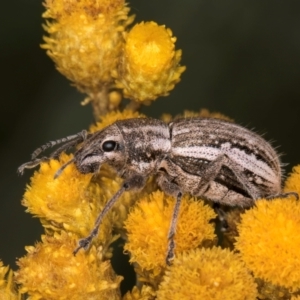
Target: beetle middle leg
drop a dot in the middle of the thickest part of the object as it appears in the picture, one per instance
(172, 189)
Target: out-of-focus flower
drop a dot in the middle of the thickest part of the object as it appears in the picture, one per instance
(269, 241)
(210, 274)
(148, 224)
(150, 65)
(51, 271)
(85, 40)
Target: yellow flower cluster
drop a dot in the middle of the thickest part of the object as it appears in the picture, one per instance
(210, 274)
(148, 225)
(269, 238)
(70, 202)
(150, 65)
(89, 43)
(51, 271)
(85, 39)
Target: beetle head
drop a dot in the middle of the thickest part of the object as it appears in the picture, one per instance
(105, 146)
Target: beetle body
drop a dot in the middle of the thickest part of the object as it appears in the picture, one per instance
(210, 158)
(215, 159)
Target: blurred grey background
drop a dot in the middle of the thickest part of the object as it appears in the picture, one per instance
(242, 58)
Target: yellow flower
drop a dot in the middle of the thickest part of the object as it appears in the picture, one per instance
(70, 202)
(203, 113)
(3, 271)
(292, 183)
(269, 241)
(114, 116)
(146, 293)
(85, 39)
(150, 66)
(210, 274)
(148, 225)
(51, 271)
(7, 289)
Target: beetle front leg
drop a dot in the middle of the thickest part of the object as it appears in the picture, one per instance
(134, 182)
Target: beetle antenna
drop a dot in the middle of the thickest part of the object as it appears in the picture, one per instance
(79, 137)
(60, 170)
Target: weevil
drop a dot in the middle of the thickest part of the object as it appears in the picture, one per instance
(205, 157)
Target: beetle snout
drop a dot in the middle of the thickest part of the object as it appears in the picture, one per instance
(88, 162)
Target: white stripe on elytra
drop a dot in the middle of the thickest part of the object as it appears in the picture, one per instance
(148, 128)
(158, 144)
(249, 162)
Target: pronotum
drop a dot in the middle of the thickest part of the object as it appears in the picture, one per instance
(217, 160)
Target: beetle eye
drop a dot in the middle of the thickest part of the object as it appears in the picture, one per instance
(109, 146)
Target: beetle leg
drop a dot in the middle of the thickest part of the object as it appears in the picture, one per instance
(134, 182)
(172, 189)
(31, 164)
(213, 168)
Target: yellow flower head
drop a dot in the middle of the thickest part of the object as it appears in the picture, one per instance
(7, 289)
(3, 271)
(150, 66)
(203, 113)
(210, 274)
(269, 241)
(148, 225)
(69, 202)
(114, 116)
(292, 183)
(146, 293)
(85, 39)
(51, 271)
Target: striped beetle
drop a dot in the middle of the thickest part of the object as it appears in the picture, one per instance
(215, 159)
